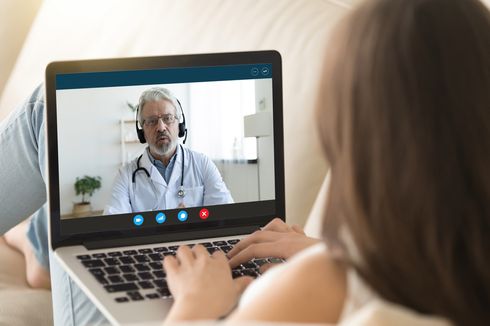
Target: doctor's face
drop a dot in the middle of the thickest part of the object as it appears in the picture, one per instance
(160, 125)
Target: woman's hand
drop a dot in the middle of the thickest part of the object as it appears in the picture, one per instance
(201, 284)
(276, 239)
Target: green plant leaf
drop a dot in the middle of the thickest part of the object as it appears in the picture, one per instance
(87, 185)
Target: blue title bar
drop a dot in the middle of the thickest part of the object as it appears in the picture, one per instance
(163, 76)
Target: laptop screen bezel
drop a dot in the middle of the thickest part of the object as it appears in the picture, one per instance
(217, 228)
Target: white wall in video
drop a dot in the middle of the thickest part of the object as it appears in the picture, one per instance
(229, 124)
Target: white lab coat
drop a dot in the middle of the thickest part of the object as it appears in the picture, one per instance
(203, 185)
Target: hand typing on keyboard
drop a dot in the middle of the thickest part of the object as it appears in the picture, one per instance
(138, 274)
(200, 278)
(201, 284)
(277, 239)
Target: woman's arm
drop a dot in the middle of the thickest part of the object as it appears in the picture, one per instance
(311, 288)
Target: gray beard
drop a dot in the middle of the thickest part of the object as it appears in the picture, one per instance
(164, 149)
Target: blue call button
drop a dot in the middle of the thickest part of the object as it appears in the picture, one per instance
(160, 218)
(138, 220)
(182, 216)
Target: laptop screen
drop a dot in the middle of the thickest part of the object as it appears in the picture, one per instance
(164, 145)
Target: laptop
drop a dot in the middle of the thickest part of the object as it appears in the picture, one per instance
(229, 112)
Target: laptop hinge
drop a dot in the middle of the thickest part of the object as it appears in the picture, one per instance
(180, 236)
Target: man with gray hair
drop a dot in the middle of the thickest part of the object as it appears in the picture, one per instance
(167, 175)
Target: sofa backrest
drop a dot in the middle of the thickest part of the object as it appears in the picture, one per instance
(298, 29)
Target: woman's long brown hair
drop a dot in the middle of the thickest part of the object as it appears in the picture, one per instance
(406, 129)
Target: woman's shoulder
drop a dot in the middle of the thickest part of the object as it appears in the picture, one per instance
(313, 254)
(317, 271)
(305, 266)
(315, 262)
(308, 288)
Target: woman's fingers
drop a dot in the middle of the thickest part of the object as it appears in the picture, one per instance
(185, 255)
(274, 230)
(298, 229)
(218, 255)
(277, 225)
(256, 237)
(257, 250)
(200, 251)
(170, 264)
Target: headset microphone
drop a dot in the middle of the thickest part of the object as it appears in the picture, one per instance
(182, 126)
(139, 131)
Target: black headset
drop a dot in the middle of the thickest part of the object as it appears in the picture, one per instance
(182, 127)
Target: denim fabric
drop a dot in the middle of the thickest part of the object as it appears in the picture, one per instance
(23, 193)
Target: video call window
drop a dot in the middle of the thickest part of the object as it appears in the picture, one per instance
(229, 136)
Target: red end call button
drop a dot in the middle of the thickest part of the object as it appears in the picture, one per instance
(203, 214)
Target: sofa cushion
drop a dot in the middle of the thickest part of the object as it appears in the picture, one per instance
(19, 304)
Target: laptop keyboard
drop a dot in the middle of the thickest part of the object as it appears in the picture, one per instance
(139, 275)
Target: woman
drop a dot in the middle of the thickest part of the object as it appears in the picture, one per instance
(406, 130)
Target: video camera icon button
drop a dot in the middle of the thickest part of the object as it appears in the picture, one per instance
(138, 220)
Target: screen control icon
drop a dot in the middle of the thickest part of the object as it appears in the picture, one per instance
(160, 218)
(182, 216)
(203, 213)
(138, 220)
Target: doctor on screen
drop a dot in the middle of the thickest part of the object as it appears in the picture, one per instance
(167, 175)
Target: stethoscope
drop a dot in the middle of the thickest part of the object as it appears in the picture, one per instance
(180, 193)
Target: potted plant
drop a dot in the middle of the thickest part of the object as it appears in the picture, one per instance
(85, 186)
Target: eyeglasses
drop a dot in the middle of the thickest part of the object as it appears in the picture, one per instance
(168, 119)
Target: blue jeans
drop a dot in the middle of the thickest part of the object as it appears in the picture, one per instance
(23, 193)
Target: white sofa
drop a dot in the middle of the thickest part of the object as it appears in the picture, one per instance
(298, 29)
